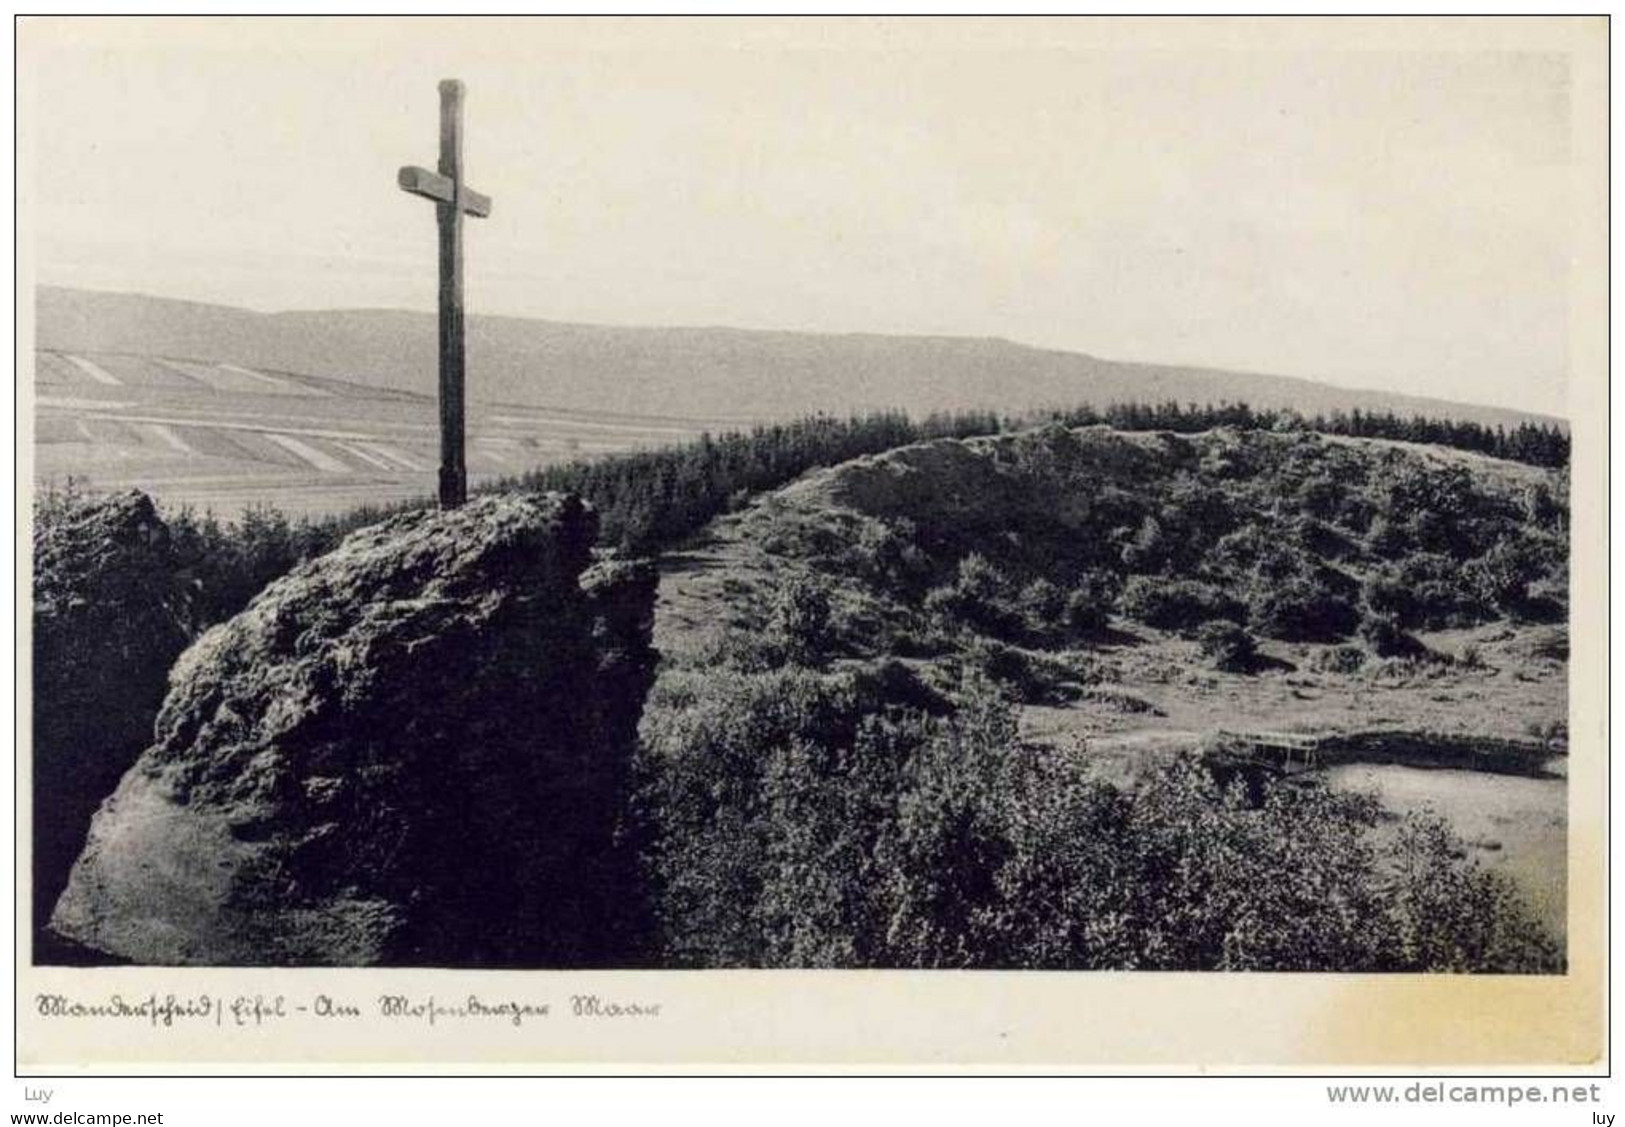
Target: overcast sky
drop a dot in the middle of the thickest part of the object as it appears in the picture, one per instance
(1381, 217)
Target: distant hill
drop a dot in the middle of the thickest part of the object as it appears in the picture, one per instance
(695, 372)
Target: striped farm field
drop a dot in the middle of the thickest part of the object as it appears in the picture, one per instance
(226, 437)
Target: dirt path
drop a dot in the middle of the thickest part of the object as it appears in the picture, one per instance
(695, 583)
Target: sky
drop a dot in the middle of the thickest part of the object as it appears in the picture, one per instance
(1392, 210)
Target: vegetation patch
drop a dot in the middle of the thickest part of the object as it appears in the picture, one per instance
(799, 824)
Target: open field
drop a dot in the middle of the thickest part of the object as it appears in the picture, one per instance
(225, 437)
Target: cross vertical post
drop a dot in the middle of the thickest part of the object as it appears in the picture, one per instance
(453, 470)
(452, 199)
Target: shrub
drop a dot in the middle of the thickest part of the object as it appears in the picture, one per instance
(1305, 607)
(887, 554)
(1090, 604)
(1195, 516)
(790, 833)
(1320, 496)
(1227, 646)
(1551, 591)
(1501, 577)
(1149, 549)
(1549, 732)
(1442, 509)
(1385, 635)
(1543, 508)
(798, 620)
(1338, 659)
(1453, 916)
(1023, 677)
(1387, 538)
(979, 597)
(894, 682)
(1176, 604)
(721, 754)
(1425, 591)
(1245, 547)
(745, 651)
(1043, 607)
(1318, 538)
(1385, 595)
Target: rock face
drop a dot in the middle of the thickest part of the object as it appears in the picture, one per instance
(411, 751)
(108, 613)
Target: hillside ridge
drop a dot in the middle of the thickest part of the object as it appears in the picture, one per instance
(696, 371)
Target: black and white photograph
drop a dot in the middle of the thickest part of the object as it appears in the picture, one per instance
(1074, 496)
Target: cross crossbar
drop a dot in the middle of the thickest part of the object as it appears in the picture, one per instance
(433, 186)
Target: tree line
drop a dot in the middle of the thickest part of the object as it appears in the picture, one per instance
(1537, 444)
(650, 499)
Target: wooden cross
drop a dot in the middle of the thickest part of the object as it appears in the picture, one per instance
(453, 199)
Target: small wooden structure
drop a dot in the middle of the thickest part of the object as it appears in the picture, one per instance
(1285, 753)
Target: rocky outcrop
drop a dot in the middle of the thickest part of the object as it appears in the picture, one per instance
(410, 751)
(108, 615)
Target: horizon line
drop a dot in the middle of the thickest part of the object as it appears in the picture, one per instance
(898, 335)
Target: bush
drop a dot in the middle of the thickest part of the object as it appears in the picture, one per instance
(1319, 539)
(1177, 604)
(1150, 548)
(1387, 538)
(1090, 604)
(1501, 577)
(895, 683)
(1320, 496)
(1338, 659)
(1443, 510)
(887, 554)
(1305, 607)
(1551, 733)
(1043, 607)
(1242, 549)
(1020, 676)
(792, 835)
(1453, 916)
(798, 620)
(1385, 635)
(745, 651)
(1426, 591)
(979, 597)
(721, 754)
(1227, 646)
(1385, 595)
